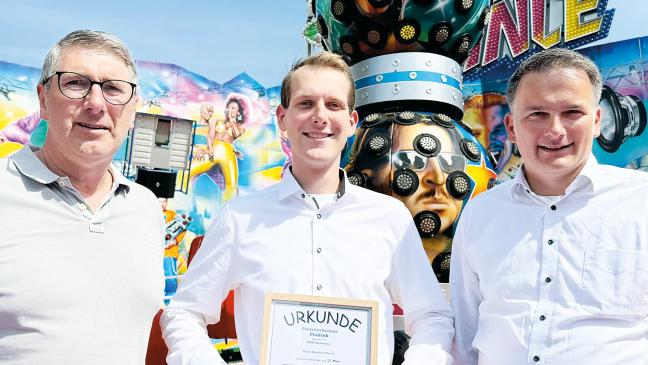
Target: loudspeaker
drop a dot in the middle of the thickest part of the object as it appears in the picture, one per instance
(623, 116)
(160, 182)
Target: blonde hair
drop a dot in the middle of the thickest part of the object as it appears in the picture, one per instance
(323, 59)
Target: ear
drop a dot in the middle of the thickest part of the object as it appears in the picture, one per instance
(510, 127)
(596, 131)
(353, 120)
(281, 115)
(41, 91)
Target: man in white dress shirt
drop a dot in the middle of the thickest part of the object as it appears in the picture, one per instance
(552, 266)
(313, 233)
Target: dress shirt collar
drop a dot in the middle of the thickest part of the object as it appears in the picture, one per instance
(588, 178)
(289, 185)
(30, 166)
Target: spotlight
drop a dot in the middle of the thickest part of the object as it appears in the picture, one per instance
(470, 149)
(439, 34)
(407, 31)
(463, 6)
(379, 144)
(484, 18)
(357, 178)
(343, 10)
(371, 120)
(427, 145)
(458, 184)
(462, 46)
(349, 46)
(405, 182)
(441, 266)
(373, 34)
(321, 27)
(427, 223)
(623, 116)
(443, 120)
(407, 118)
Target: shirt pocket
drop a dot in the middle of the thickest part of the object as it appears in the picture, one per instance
(615, 282)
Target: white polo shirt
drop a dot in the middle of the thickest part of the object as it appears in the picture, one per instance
(76, 287)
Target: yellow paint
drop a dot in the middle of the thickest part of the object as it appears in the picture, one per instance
(574, 29)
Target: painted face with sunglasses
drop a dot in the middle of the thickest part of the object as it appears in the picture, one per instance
(432, 193)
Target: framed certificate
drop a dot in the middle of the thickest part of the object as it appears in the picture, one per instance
(305, 329)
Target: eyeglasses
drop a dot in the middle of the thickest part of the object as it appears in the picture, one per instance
(76, 86)
(413, 160)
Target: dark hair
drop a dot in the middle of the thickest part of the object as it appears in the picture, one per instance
(553, 58)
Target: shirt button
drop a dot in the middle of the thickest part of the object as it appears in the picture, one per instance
(61, 183)
(542, 317)
(553, 207)
(319, 286)
(547, 280)
(319, 216)
(319, 250)
(550, 242)
(536, 358)
(303, 195)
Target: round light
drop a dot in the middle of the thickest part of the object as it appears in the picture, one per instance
(427, 223)
(458, 184)
(405, 182)
(407, 32)
(406, 118)
(470, 149)
(443, 120)
(338, 8)
(379, 144)
(427, 144)
(373, 36)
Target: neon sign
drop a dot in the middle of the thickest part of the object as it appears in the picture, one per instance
(519, 28)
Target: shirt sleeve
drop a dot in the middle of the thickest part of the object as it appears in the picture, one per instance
(428, 317)
(198, 300)
(465, 294)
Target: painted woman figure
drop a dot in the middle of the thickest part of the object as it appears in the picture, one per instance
(220, 159)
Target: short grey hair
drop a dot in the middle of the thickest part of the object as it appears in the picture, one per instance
(92, 40)
(553, 58)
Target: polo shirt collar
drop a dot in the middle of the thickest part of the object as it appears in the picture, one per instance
(30, 166)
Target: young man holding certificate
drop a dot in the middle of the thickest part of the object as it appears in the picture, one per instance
(314, 233)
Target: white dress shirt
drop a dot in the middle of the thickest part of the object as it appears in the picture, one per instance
(563, 282)
(364, 245)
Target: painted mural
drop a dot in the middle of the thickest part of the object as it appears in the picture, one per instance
(622, 142)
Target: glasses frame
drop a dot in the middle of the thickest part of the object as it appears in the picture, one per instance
(426, 159)
(92, 83)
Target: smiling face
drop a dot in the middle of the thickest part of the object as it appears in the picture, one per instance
(553, 121)
(233, 111)
(317, 121)
(206, 112)
(88, 129)
(432, 193)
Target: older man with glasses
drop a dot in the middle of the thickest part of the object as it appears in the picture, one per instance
(80, 258)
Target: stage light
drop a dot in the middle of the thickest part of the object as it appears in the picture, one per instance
(470, 150)
(348, 45)
(407, 31)
(463, 6)
(322, 29)
(427, 223)
(623, 116)
(439, 34)
(462, 46)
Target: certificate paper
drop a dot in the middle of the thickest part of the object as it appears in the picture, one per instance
(306, 330)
